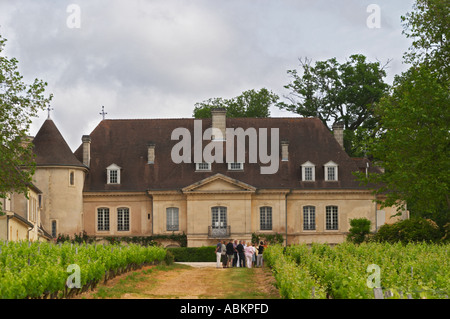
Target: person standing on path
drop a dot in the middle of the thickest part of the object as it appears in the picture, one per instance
(241, 255)
(218, 254)
(235, 259)
(249, 251)
(224, 254)
(259, 257)
(230, 253)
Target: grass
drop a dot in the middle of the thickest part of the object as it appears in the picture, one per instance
(234, 283)
(242, 284)
(129, 284)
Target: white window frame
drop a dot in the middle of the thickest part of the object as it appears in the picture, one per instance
(331, 165)
(219, 217)
(104, 221)
(200, 167)
(232, 166)
(331, 217)
(265, 218)
(309, 217)
(113, 168)
(172, 219)
(123, 219)
(305, 165)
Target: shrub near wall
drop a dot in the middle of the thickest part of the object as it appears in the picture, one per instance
(194, 254)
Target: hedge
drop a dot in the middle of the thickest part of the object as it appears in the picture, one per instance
(193, 254)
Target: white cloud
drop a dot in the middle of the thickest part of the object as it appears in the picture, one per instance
(143, 59)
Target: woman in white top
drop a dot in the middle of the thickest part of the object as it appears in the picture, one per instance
(249, 251)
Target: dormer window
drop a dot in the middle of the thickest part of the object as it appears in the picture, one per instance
(203, 166)
(113, 174)
(236, 166)
(331, 171)
(308, 172)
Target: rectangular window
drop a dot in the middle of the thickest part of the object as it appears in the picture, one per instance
(331, 174)
(172, 215)
(123, 219)
(265, 218)
(308, 174)
(309, 218)
(331, 218)
(203, 166)
(113, 177)
(235, 166)
(103, 219)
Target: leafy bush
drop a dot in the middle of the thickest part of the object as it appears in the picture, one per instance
(194, 254)
(409, 230)
(360, 228)
(169, 258)
(272, 239)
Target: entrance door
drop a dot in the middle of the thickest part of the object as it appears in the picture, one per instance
(219, 221)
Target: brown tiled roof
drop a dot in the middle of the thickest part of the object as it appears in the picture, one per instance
(124, 142)
(51, 149)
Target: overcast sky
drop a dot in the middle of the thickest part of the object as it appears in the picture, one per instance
(157, 58)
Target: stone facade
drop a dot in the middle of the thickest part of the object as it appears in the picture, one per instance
(121, 181)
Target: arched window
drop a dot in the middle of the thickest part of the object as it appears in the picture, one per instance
(103, 219)
(219, 217)
(309, 218)
(265, 218)
(123, 219)
(72, 178)
(54, 228)
(172, 218)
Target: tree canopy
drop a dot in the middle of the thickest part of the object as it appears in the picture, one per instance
(19, 103)
(412, 140)
(335, 92)
(250, 103)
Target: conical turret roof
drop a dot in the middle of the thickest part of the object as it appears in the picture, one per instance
(50, 147)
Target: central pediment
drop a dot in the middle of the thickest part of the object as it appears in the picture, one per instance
(219, 183)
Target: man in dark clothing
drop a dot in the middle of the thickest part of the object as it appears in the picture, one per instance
(230, 253)
(235, 258)
(240, 250)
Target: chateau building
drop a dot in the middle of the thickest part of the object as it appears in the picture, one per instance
(143, 177)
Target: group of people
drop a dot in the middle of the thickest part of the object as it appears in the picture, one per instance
(238, 254)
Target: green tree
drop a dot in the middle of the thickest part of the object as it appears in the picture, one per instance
(335, 92)
(412, 139)
(428, 25)
(360, 228)
(413, 143)
(19, 103)
(250, 103)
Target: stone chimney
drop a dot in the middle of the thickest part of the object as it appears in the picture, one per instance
(338, 131)
(219, 121)
(284, 150)
(86, 139)
(150, 153)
